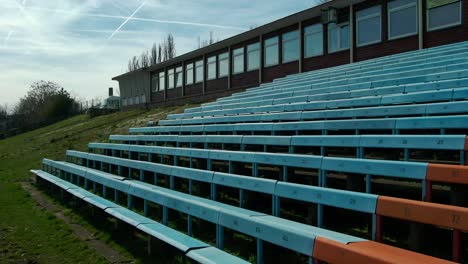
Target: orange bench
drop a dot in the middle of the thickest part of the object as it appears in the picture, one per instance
(428, 213)
(367, 252)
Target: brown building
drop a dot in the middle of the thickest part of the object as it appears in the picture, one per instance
(335, 33)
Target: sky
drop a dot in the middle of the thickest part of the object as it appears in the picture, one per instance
(82, 44)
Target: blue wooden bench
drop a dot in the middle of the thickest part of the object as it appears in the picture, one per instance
(191, 247)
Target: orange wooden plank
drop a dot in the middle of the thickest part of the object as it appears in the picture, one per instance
(447, 173)
(367, 252)
(428, 213)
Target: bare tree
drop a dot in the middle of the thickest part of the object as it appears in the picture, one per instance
(159, 53)
(135, 63)
(154, 54)
(145, 60)
(207, 42)
(3, 111)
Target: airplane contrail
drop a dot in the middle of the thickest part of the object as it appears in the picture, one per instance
(126, 20)
(7, 37)
(188, 23)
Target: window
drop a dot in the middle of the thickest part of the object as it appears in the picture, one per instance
(155, 83)
(223, 68)
(253, 56)
(189, 74)
(271, 51)
(313, 40)
(162, 81)
(369, 26)
(178, 77)
(402, 18)
(211, 65)
(338, 37)
(170, 79)
(443, 14)
(238, 60)
(199, 71)
(291, 46)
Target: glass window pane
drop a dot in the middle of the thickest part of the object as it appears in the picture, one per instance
(178, 77)
(253, 56)
(162, 81)
(271, 41)
(291, 46)
(403, 22)
(170, 79)
(155, 83)
(369, 31)
(189, 74)
(333, 37)
(344, 37)
(211, 68)
(199, 71)
(238, 60)
(223, 64)
(271, 51)
(313, 40)
(445, 16)
(291, 50)
(368, 26)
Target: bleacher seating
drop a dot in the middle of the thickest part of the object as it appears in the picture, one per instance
(350, 164)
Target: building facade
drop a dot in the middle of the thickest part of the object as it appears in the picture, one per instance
(335, 33)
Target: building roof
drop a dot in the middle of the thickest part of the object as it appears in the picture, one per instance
(248, 35)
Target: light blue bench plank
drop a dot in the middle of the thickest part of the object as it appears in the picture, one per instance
(409, 170)
(361, 202)
(292, 160)
(438, 122)
(245, 182)
(128, 216)
(326, 141)
(455, 142)
(266, 140)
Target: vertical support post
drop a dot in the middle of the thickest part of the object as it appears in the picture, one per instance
(368, 183)
(116, 196)
(301, 52)
(260, 69)
(319, 215)
(189, 225)
(165, 215)
(378, 228)
(220, 237)
(259, 251)
(129, 201)
(351, 33)
(428, 196)
(374, 227)
(420, 25)
(142, 175)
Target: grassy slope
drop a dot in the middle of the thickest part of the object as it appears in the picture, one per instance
(29, 234)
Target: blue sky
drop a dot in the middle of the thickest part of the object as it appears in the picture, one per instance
(83, 44)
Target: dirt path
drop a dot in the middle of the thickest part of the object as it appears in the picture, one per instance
(102, 248)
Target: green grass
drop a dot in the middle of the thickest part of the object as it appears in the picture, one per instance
(29, 234)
